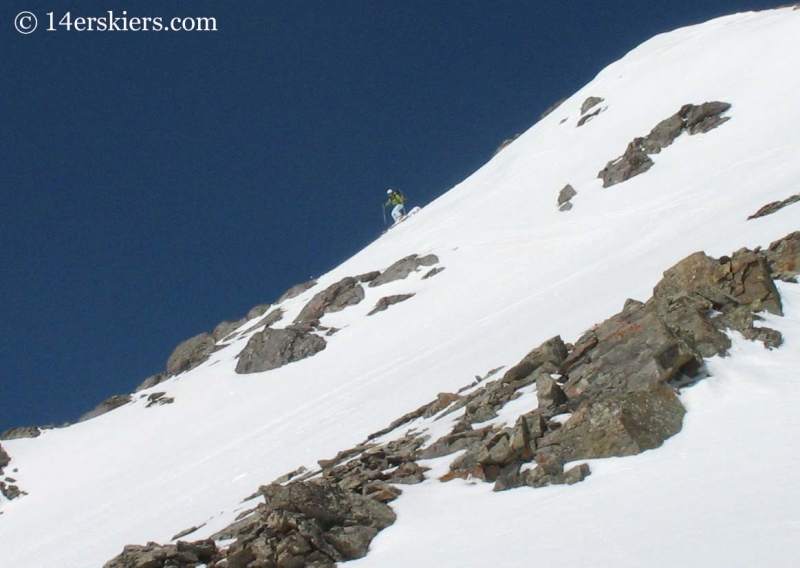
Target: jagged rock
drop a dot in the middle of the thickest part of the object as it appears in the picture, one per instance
(225, 328)
(19, 433)
(664, 134)
(783, 257)
(296, 290)
(553, 352)
(403, 267)
(707, 116)
(180, 555)
(549, 393)
(258, 311)
(628, 352)
(690, 118)
(587, 117)
(590, 103)
(351, 542)
(273, 348)
(774, 207)
(633, 162)
(336, 297)
(565, 196)
(623, 425)
(152, 381)
(743, 278)
(107, 406)
(158, 398)
(552, 107)
(10, 491)
(5, 459)
(190, 354)
(384, 303)
(369, 276)
(433, 272)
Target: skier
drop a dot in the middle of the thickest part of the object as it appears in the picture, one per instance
(397, 199)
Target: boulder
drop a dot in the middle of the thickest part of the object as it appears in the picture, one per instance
(549, 393)
(590, 103)
(258, 311)
(566, 194)
(152, 381)
(623, 425)
(387, 301)
(403, 267)
(225, 328)
(296, 290)
(19, 433)
(107, 406)
(774, 207)
(783, 257)
(633, 162)
(190, 354)
(274, 348)
(336, 297)
(5, 459)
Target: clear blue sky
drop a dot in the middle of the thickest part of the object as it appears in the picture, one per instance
(157, 183)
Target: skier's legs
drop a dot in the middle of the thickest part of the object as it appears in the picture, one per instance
(398, 212)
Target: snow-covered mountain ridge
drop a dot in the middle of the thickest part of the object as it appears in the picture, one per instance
(517, 272)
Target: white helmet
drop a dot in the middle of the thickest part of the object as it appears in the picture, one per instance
(389, 191)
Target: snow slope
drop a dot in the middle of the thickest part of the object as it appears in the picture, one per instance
(721, 493)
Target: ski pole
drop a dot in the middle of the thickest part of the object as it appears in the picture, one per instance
(383, 210)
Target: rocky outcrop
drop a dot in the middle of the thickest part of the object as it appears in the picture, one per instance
(296, 290)
(303, 524)
(5, 459)
(274, 348)
(336, 297)
(565, 197)
(106, 406)
(783, 258)
(384, 303)
(190, 354)
(19, 433)
(612, 393)
(552, 108)
(152, 381)
(403, 267)
(774, 207)
(693, 119)
(588, 105)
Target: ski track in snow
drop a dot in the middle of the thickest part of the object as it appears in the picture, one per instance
(517, 272)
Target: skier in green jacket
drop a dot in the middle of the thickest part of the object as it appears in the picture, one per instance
(397, 199)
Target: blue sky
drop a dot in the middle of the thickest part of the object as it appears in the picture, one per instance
(155, 184)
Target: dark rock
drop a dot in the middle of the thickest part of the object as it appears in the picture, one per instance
(549, 393)
(632, 163)
(553, 351)
(10, 491)
(433, 272)
(783, 257)
(663, 134)
(384, 303)
(225, 328)
(577, 474)
(351, 542)
(552, 107)
(403, 267)
(566, 194)
(152, 381)
(296, 290)
(273, 348)
(624, 425)
(707, 116)
(5, 459)
(590, 103)
(368, 277)
(19, 433)
(628, 352)
(690, 118)
(336, 297)
(774, 207)
(505, 143)
(587, 117)
(158, 398)
(258, 311)
(107, 406)
(190, 354)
